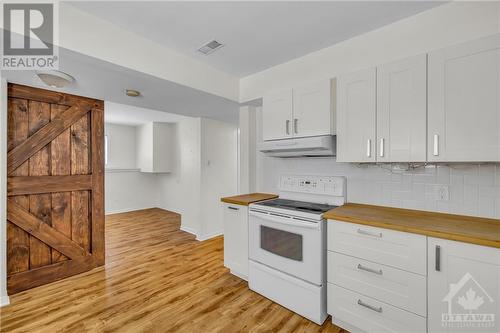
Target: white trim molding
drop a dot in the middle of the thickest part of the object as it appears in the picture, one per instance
(208, 236)
(201, 238)
(126, 210)
(4, 301)
(3, 192)
(189, 230)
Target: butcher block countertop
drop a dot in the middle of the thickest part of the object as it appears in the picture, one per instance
(475, 230)
(246, 199)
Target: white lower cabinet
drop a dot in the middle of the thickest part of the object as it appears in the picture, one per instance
(389, 247)
(377, 279)
(463, 287)
(359, 313)
(376, 282)
(236, 239)
(394, 286)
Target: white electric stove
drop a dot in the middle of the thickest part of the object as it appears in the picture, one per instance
(287, 243)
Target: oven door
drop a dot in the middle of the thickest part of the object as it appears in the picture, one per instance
(291, 245)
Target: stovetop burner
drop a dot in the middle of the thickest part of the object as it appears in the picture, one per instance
(308, 207)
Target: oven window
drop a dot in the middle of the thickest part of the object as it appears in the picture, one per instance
(282, 243)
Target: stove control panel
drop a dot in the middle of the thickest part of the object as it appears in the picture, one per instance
(323, 185)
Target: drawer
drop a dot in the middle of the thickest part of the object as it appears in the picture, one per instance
(388, 247)
(391, 285)
(368, 314)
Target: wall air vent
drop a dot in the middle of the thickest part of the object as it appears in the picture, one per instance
(210, 47)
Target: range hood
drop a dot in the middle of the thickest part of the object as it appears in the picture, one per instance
(313, 146)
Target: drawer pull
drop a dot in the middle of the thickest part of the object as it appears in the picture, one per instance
(368, 233)
(233, 208)
(438, 258)
(371, 307)
(371, 270)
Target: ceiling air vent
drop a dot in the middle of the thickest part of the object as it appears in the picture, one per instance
(210, 47)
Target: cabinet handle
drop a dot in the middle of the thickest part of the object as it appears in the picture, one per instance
(382, 147)
(436, 145)
(296, 126)
(438, 258)
(371, 307)
(364, 232)
(232, 208)
(287, 127)
(368, 148)
(371, 270)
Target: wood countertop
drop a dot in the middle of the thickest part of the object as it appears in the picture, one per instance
(246, 199)
(475, 230)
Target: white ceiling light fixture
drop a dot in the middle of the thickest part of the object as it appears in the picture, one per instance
(55, 79)
(132, 93)
(210, 47)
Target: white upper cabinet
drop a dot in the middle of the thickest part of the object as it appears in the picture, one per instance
(402, 110)
(313, 109)
(304, 111)
(356, 114)
(277, 115)
(464, 102)
(463, 284)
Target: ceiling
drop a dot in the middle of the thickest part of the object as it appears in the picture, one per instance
(258, 34)
(103, 80)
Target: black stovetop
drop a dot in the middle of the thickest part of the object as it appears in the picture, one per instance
(308, 207)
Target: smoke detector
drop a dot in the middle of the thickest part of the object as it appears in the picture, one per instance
(210, 47)
(55, 79)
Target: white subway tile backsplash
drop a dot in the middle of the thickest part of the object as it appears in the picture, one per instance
(474, 189)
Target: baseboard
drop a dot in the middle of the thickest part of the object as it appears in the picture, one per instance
(189, 230)
(202, 238)
(4, 300)
(126, 210)
(238, 274)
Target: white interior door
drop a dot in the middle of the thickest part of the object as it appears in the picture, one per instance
(402, 110)
(277, 115)
(464, 102)
(356, 113)
(313, 109)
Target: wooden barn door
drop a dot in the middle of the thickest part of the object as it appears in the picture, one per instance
(55, 186)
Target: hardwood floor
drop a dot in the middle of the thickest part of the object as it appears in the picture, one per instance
(156, 279)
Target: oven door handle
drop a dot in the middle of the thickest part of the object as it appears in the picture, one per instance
(293, 222)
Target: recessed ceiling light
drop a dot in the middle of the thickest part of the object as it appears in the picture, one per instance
(210, 47)
(132, 93)
(55, 79)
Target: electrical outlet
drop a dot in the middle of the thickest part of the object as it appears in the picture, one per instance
(443, 193)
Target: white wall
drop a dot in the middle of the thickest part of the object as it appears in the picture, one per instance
(436, 28)
(130, 190)
(121, 146)
(205, 170)
(180, 189)
(4, 299)
(474, 189)
(218, 172)
(126, 188)
(247, 149)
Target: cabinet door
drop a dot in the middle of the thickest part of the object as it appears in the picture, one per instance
(277, 115)
(402, 110)
(464, 104)
(356, 109)
(236, 239)
(313, 109)
(463, 287)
